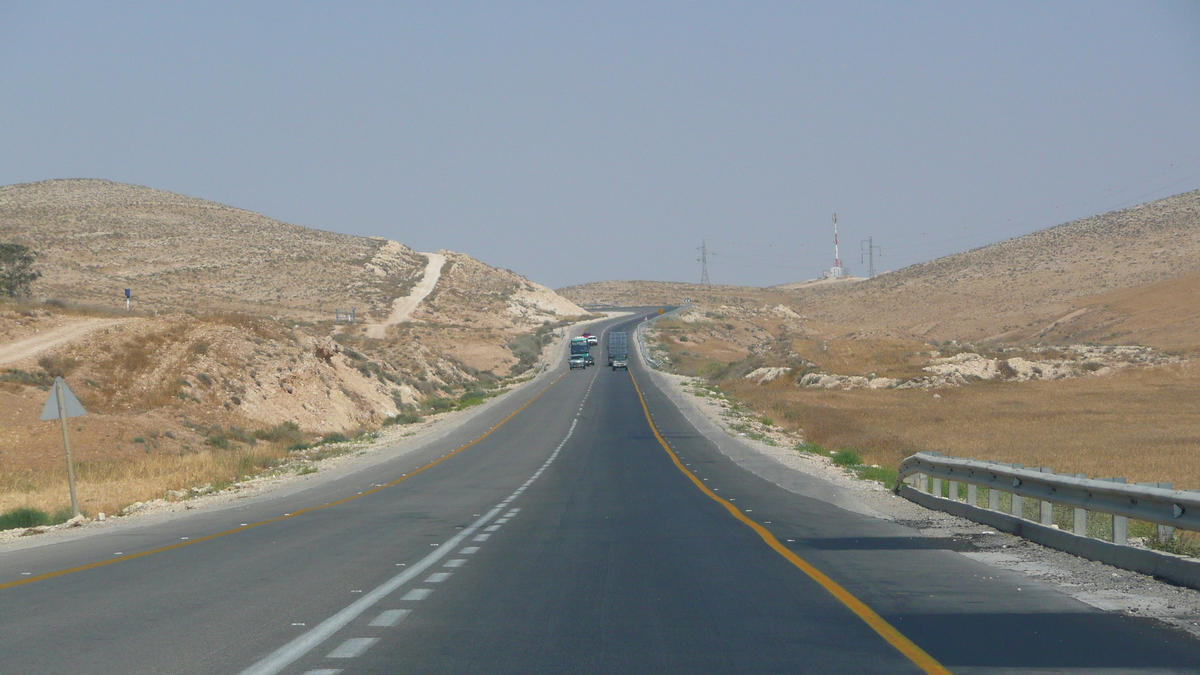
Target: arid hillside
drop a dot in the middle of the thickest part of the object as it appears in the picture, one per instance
(1013, 290)
(1124, 276)
(1074, 347)
(96, 238)
(232, 352)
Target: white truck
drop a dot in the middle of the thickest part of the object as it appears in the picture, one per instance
(618, 350)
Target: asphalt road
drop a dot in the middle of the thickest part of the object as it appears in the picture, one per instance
(567, 539)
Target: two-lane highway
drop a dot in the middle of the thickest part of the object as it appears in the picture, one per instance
(587, 529)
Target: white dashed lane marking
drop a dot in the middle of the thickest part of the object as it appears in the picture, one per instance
(417, 594)
(390, 617)
(352, 648)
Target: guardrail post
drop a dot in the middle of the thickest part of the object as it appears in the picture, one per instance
(1120, 530)
(972, 494)
(1120, 524)
(993, 499)
(1079, 527)
(1047, 508)
(1165, 532)
(937, 487)
(922, 482)
(953, 490)
(1017, 502)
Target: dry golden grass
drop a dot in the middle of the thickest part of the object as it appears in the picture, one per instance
(107, 486)
(1141, 424)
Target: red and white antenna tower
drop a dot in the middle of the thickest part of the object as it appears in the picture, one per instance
(837, 257)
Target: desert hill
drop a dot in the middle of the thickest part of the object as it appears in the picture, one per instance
(232, 353)
(1015, 289)
(1123, 276)
(1073, 347)
(95, 238)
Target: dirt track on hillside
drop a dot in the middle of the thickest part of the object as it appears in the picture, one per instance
(36, 344)
(402, 308)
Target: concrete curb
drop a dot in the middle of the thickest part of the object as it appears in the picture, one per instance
(1176, 569)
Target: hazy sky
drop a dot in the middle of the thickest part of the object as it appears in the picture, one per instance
(576, 142)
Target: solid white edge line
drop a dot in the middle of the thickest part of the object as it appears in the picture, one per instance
(303, 644)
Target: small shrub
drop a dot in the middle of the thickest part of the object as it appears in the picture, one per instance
(23, 517)
(440, 404)
(846, 457)
(305, 470)
(334, 437)
(767, 421)
(403, 418)
(58, 366)
(63, 515)
(41, 379)
(284, 432)
(881, 474)
(812, 449)
(200, 347)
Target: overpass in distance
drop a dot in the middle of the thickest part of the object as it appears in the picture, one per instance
(578, 525)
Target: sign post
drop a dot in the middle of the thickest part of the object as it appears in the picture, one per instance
(128, 292)
(63, 404)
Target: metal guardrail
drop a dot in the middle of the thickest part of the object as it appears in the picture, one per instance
(1148, 502)
(641, 339)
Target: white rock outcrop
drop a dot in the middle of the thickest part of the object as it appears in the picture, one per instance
(765, 375)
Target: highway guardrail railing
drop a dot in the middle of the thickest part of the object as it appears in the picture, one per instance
(641, 338)
(1094, 512)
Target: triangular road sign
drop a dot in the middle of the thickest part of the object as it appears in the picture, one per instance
(73, 407)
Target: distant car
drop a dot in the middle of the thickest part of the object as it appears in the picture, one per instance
(592, 340)
(620, 363)
(589, 359)
(578, 361)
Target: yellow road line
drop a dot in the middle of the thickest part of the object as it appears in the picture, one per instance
(192, 542)
(877, 623)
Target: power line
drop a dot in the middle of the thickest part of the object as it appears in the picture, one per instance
(870, 253)
(703, 260)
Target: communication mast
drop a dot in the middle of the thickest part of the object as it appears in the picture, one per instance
(703, 259)
(836, 271)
